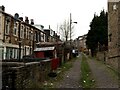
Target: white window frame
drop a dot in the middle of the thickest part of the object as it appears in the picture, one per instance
(22, 31)
(29, 37)
(31, 34)
(16, 50)
(35, 36)
(28, 33)
(15, 27)
(39, 36)
(7, 27)
(44, 38)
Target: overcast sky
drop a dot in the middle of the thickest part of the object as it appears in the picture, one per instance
(54, 12)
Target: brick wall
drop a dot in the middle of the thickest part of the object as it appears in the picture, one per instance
(28, 75)
(113, 62)
(102, 56)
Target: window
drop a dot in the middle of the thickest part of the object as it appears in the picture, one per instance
(42, 37)
(114, 7)
(15, 30)
(7, 27)
(29, 35)
(15, 53)
(35, 36)
(26, 32)
(9, 53)
(22, 32)
(39, 37)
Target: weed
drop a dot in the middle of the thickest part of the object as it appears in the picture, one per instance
(86, 76)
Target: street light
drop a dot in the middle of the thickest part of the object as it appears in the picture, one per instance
(70, 27)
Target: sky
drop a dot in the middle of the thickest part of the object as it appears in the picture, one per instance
(54, 12)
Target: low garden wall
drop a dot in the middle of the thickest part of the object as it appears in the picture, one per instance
(113, 62)
(24, 75)
(102, 56)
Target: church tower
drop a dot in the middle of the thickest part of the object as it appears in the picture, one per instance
(114, 33)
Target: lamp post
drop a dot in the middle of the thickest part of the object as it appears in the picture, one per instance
(70, 27)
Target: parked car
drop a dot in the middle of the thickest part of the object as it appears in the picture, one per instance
(75, 52)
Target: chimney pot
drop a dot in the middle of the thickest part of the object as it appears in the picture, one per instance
(16, 16)
(2, 8)
(26, 20)
(32, 21)
(21, 18)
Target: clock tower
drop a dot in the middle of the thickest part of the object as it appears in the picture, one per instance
(114, 33)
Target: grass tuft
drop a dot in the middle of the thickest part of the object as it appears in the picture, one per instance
(86, 76)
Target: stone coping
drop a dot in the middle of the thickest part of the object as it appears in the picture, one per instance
(22, 64)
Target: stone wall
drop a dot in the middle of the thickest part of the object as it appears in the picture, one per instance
(113, 33)
(103, 56)
(113, 62)
(25, 75)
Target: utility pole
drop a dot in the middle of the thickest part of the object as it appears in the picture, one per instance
(70, 28)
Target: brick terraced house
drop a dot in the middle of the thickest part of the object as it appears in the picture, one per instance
(17, 37)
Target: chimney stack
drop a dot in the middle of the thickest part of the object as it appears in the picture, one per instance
(21, 18)
(2, 8)
(26, 20)
(32, 21)
(16, 16)
(49, 27)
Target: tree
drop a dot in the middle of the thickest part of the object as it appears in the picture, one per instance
(65, 30)
(98, 33)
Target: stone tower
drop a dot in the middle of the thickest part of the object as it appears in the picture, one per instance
(114, 33)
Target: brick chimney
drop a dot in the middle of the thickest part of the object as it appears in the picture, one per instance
(32, 21)
(21, 18)
(2, 8)
(16, 16)
(26, 20)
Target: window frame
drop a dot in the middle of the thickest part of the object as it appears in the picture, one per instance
(15, 33)
(22, 31)
(7, 27)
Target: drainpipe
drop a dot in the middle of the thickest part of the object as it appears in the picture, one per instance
(19, 57)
